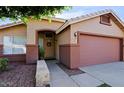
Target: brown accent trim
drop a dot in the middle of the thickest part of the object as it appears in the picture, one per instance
(1, 48)
(108, 24)
(75, 57)
(64, 55)
(105, 23)
(70, 45)
(31, 45)
(12, 54)
(31, 53)
(45, 30)
(121, 49)
(98, 35)
(69, 55)
(14, 57)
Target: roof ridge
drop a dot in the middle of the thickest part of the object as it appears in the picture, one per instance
(92, 14)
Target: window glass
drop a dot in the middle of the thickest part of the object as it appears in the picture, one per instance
(7, 41)
(14, 45)
(19, 40)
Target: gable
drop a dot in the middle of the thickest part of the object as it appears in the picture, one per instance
(94, 26)
(107, 12)
(37, 25)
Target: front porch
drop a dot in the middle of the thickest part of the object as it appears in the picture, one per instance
(46, 44)
(44, 47)
(41, 34)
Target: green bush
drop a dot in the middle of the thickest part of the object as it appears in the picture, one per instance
(42, 51)
(3, 64)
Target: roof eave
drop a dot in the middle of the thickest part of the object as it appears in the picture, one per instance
(10, 25)
(89, 16)
(19, 23)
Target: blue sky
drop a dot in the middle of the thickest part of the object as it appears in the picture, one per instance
(82, 10)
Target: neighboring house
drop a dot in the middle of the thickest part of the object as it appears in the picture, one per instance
(91, 39)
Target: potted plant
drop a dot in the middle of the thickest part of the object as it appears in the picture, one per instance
(42, 52)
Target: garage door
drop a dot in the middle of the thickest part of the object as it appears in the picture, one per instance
(98, 50)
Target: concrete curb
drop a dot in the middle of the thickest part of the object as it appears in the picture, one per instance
(42, 74)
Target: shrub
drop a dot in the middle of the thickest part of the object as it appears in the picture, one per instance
(3, 64)
(42, 51)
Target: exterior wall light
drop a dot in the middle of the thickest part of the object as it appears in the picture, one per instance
(75, 34)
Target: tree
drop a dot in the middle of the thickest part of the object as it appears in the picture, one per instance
(23, 13)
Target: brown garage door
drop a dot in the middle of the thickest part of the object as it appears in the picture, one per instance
(98, 50)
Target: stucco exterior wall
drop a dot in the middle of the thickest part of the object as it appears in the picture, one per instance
(19, 30)
(62, 38)
(33, 26)
(93, 26)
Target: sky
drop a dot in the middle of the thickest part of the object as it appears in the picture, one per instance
(82, 10)
(76, 11)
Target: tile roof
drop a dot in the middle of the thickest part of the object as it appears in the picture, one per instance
(88, 16)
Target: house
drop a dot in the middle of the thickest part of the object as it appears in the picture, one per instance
(94, 38)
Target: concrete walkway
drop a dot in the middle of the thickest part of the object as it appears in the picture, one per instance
(85, 80)
(111, 73)
(58, 77)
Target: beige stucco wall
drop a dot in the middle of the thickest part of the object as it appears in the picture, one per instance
(19, 30)
(94, 26)
(34, 25)
(62, 38)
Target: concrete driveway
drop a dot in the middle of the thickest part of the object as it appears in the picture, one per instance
(110, 73)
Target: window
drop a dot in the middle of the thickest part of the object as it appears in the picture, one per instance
(105, 19)
(49, 35)
(14, 45)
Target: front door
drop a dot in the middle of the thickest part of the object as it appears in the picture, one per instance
(46, 40)
(49, 45)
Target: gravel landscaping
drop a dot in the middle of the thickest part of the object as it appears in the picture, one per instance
(18, 75)
(70, 72)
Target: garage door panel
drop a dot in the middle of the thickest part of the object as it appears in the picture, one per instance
(98, 50)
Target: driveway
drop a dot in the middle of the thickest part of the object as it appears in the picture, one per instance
(103, 75)
(110, 73)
